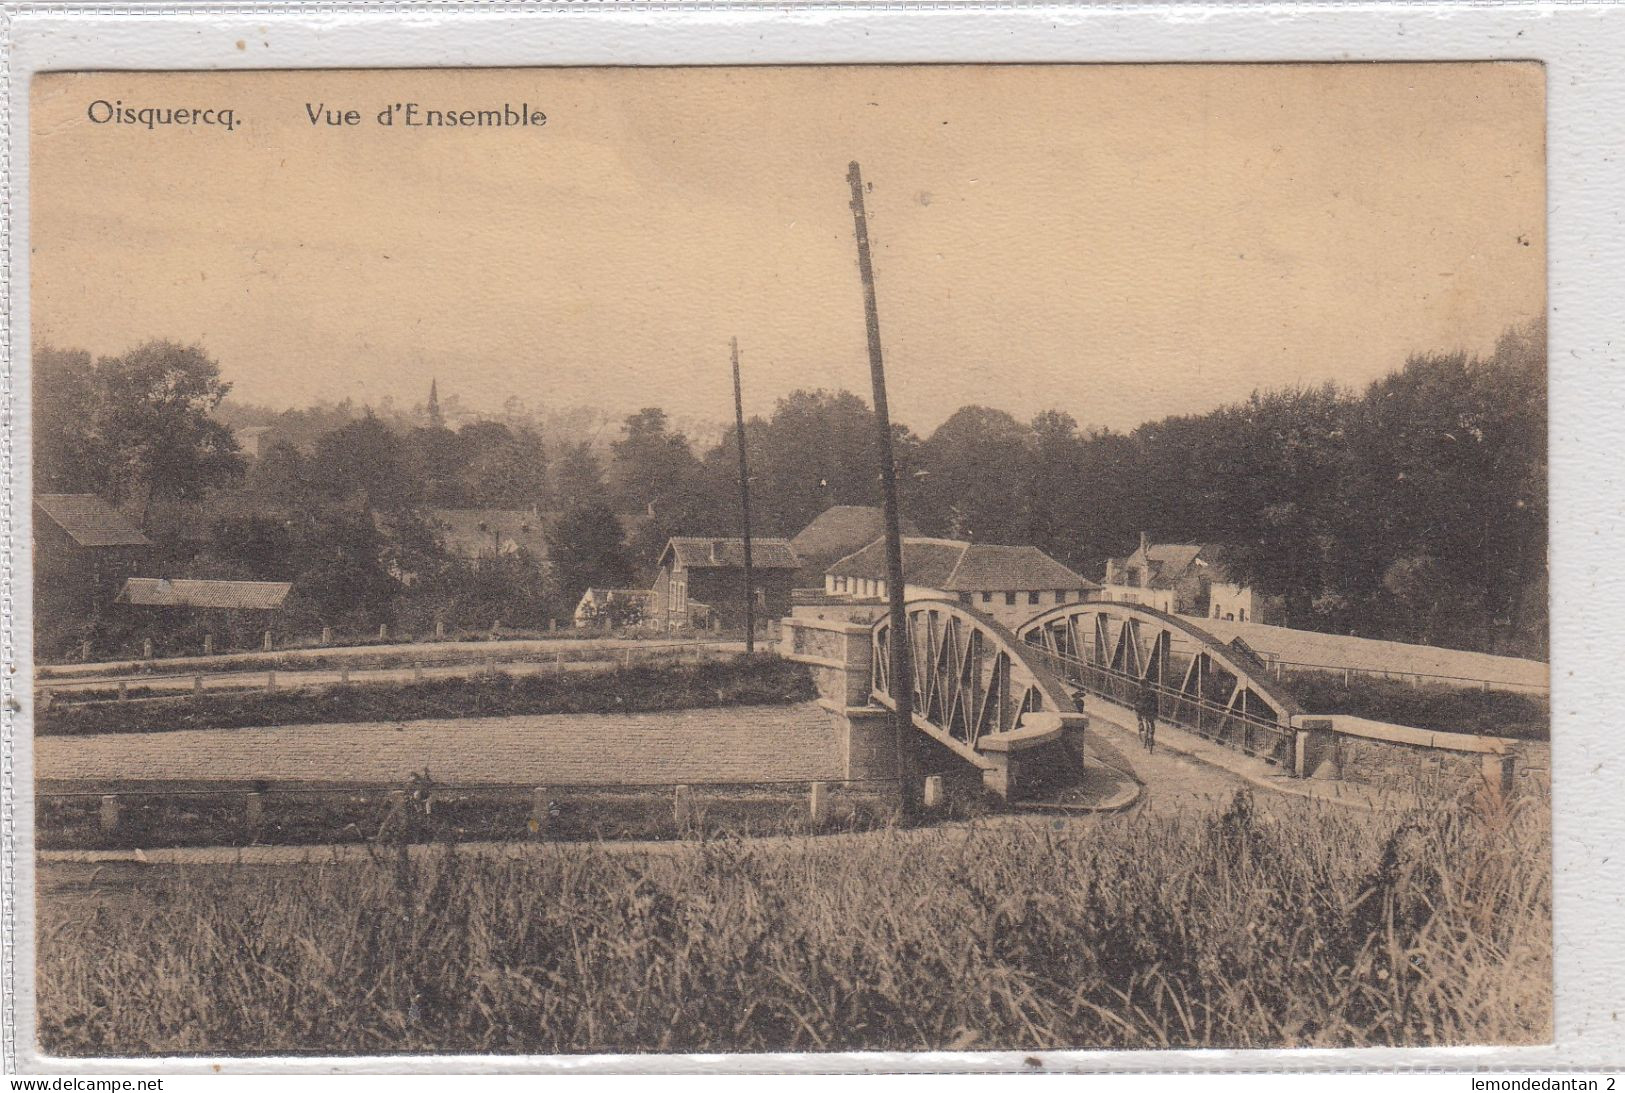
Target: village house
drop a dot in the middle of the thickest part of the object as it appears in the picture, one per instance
(1009, 583)
(236, 611)
(833, 534)
(480, 534)
(1184, 579)
(84, 548)
(700, 582)
(250, 439)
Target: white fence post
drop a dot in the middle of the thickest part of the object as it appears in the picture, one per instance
(107, 814)
(539, 808)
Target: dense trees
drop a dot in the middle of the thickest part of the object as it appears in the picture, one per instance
(1413, 509)
(133, 426)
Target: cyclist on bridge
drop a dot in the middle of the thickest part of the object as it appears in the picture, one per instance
(1145, 709)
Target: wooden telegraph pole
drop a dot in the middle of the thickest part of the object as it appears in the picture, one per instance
(902, 685)
(744, 506)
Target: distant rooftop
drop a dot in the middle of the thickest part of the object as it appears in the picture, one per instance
(233, 595)
(89, 521)
(954, 565)
(840, 529)
(693, 552)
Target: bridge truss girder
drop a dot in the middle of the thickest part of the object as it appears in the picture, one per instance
(971, 677)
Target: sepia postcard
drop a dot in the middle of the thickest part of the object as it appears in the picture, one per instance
(570, 561)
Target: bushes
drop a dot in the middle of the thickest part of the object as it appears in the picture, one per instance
(1292, 924)
(575, 814)
(758, 680)
(1425, 706)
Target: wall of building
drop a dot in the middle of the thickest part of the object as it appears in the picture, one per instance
(1233, 603)
(722, 589)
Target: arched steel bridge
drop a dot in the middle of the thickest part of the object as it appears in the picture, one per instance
(1217, 690)
(976, 684)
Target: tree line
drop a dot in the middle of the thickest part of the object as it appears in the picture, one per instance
(1413, 509)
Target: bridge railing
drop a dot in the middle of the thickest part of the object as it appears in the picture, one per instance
(1262, 737)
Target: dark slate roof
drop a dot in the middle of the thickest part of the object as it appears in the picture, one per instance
(987, 567)
(699, 553)
(956, 566)
(841, 529)
(482, 533)
(1170, 560)
(926, 562)
(240, 595)
(90, 521)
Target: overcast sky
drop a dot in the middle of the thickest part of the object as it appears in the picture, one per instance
(1120, 242)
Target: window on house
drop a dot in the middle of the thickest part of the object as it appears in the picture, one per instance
(1241, 616)
(987, 597)
(1032, 597)
(964, 597)
(1009, 599)
(1134, 576)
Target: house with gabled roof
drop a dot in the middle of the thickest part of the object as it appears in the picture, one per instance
(701, 581)
(480, 534)
(1185, 579)
(1009, 583)
(836, 532)
(83, 548)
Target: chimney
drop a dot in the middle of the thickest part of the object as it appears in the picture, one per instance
(1145, 543)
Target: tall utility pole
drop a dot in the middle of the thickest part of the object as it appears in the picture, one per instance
(744, 506)
(902, 685)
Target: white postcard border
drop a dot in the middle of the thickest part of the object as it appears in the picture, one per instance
(1583, 48)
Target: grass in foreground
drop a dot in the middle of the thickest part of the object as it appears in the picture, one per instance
(1299, 925)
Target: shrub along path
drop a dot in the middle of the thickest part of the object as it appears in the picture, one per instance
(742, 681)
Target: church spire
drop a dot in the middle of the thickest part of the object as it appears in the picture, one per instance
(435, 420)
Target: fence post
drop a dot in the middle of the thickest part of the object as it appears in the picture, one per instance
(123, 691)
(270, 681)
(552, 625)
(383, 631)
(327, 635)
(490, 666)
(933, 791)
(254, 811)
(818, 802)
(626, 657)
(197, 685)
(267, 643)
(558, 665)
(496, 625)
(108, 813)
(439, 629)
(84, 650)
(680, 806)
(208, 645)
(539, 806)
(146, 649)
(1347, 676)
